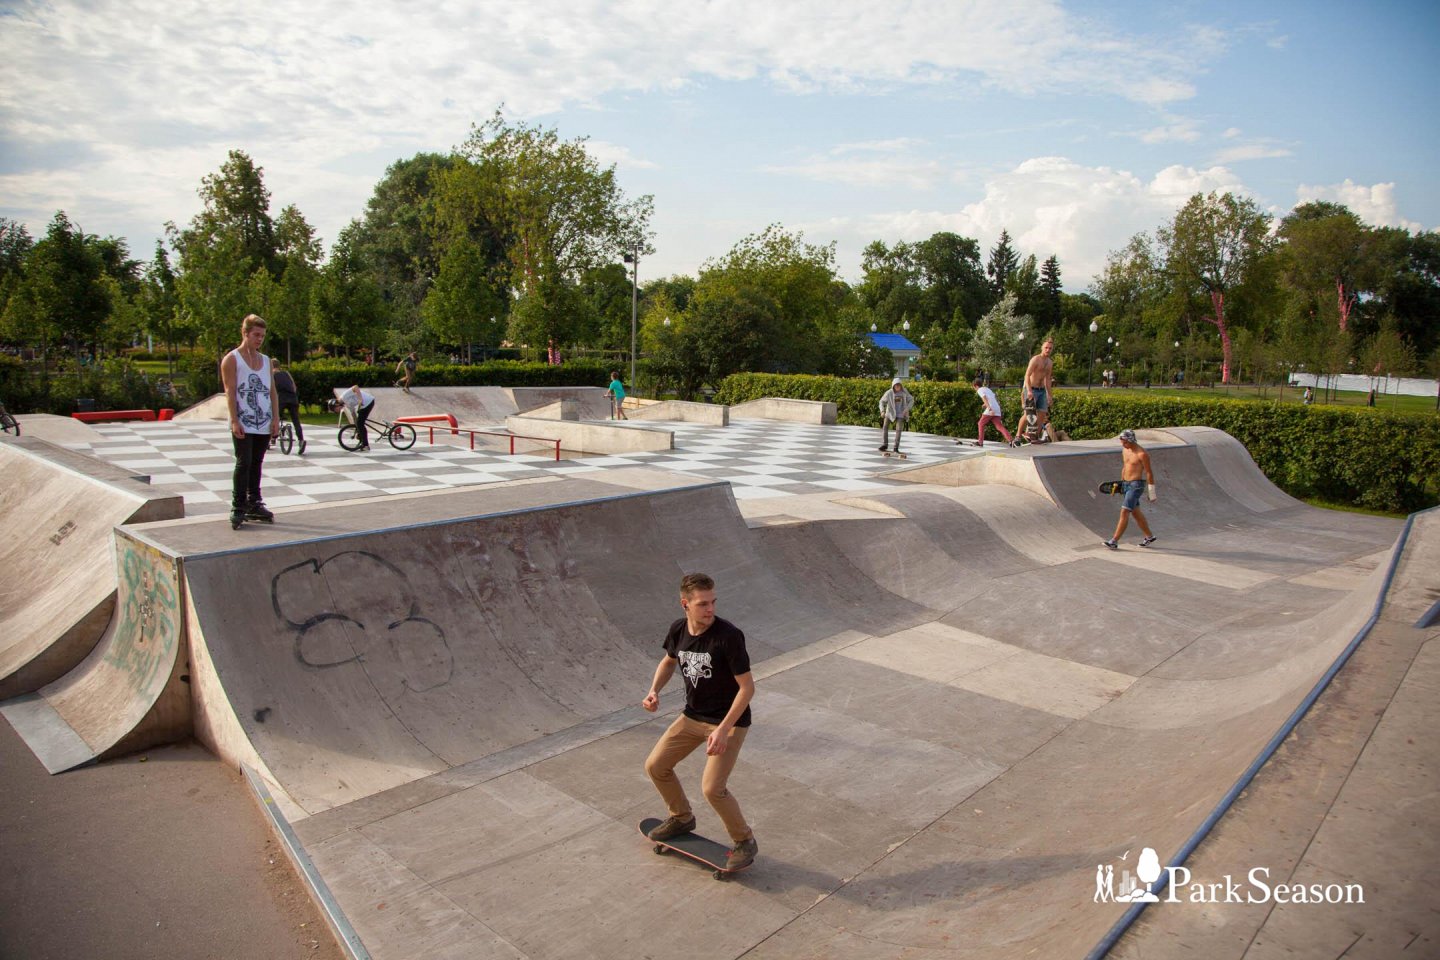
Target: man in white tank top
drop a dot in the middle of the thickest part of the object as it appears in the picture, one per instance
(254, 418)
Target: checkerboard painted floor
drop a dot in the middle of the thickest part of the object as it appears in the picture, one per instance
(760, 458)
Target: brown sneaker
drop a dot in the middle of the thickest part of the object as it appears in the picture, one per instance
(743, 855)
(673, 827)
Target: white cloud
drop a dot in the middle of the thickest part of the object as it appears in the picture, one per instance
(1175, 130)
(1048, 205)
(607, 154)
(1374, 205)
(133, 103)
(1258, 150)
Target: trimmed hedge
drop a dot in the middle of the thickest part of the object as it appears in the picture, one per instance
(1371, 458)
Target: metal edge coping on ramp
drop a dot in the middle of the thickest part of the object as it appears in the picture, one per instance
(140, 534)
(1112, 937)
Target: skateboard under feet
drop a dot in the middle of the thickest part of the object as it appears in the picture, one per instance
(895, 453)
(692, 845)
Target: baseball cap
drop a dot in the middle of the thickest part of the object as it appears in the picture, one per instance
(1127, 435)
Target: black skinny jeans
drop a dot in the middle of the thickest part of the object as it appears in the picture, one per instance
(249, 456)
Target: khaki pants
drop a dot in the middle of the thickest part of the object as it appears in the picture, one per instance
(677, 743)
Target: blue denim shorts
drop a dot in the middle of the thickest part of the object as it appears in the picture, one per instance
(1134, 489)
(1041, 397)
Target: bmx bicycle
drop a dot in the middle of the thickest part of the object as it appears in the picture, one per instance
(400, 435)
(8, 424)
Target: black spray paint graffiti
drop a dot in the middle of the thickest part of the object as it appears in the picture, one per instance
(361, 609)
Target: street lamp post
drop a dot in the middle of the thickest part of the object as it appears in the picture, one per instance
(1094, 328)
(634, 260)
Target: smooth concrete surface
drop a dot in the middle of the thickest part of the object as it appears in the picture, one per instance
(783, 408)
(714, 414)
(594, 436)
(965, 704)
(57, 595)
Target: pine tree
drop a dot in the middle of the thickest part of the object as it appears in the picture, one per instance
(1003, 261)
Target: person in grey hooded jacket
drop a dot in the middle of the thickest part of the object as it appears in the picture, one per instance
(895, 408)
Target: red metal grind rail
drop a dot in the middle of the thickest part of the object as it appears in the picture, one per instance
(492, 433)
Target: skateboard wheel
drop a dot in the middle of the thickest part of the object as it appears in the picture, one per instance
(659, 850)
(719, 874)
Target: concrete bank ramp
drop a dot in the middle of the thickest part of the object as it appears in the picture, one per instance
(57, 596)
(965, 705)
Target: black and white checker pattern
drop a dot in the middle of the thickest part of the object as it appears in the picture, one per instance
(759, 458)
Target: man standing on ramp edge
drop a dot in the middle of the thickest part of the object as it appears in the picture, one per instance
(1138, 478)
(710, 652)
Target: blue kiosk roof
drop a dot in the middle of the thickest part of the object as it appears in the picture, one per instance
(891, 341)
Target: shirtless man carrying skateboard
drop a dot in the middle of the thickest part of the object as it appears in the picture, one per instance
(1138, 478)
(1037, 389)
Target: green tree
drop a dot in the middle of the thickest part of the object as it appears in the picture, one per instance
(63, 291)
(1003, 261)
(1049, 309)
(347, 307)
(1326, 250)
(467, 298)
(160, 305)
(1211, 247)
(951, 279)
(401, 242)
(1003, 337)
(227, 241)
(560, 213)
(298, 254)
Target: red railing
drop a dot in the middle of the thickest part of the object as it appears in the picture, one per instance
(493, 433)
(106, 416)
(450, 417)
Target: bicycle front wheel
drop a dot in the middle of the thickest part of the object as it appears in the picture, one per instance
(10, 425)
(287, 439)
(402, 436)
(349, 437)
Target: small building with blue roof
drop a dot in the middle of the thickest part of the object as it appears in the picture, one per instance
(900, 347)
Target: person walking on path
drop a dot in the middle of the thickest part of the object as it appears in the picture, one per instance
(406, 369)
(360, 403)
(290, 404)
(990, 413)
(1138, 478)
(710, 653)
(1038, 388)
(895, 406)
(249, 385)
(617, 397)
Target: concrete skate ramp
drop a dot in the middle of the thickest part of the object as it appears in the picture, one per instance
(442, 644)
(57, 509)
(965, 704)
(132, 691)
(945, 784)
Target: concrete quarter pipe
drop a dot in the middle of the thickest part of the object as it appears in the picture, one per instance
(964, 703)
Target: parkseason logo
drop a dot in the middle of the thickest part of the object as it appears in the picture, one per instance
(1120, 885)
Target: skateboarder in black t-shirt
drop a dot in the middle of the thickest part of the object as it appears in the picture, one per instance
(719, 686)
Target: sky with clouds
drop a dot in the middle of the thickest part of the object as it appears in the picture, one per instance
(1073, 125)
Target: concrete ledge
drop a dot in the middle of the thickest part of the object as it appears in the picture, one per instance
(779, 408)
(714, 414)
(559, 410)
(590, 437)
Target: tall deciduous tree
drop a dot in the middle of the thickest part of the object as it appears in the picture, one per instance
(1327, 251)
(62, 290)
(1211, 247)
(227, 241)
(348, 309)
(561, 214)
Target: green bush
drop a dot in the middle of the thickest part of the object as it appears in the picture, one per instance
(1370, 458)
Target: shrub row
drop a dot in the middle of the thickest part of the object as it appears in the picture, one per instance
(1365, 457)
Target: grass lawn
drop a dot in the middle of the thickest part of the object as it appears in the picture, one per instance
(1341, 398)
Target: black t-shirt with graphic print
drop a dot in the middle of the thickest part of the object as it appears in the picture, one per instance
(710, 663)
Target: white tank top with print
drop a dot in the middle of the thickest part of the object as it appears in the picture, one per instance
(252, 394)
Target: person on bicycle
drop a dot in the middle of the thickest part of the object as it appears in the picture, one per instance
(360, 404)
(290, 403)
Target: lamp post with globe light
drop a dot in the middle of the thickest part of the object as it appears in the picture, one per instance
(1094, 328)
